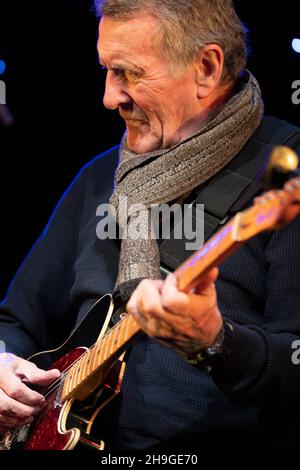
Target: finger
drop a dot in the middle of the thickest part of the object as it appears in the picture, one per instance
(176, 302)
(145, 305)
(149, 299)
(34, 375)
(145, 298)
(16, 389)
(172, 298)
(170, 286)
(12, 408)
(26, 421)
(155, 320)
(191, 304)
(291, 213)
(158, 283)
(204, 286)
(8, 359)
(131, 306)
(9, 422)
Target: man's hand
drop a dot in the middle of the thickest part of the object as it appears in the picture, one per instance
(187, 322)
(18, 403)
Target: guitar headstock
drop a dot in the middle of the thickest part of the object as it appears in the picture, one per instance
(270, 211)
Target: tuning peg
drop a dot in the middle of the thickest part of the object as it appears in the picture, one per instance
(281, 165)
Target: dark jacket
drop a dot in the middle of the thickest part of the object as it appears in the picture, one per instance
(254, 398)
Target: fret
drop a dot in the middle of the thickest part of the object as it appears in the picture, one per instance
(127, 327)
(81, 367)
(113, 341)
(135, 327)
(213, 248)
(62, 381)
(89, 361)
(73, 379)
(267, 213)
(264, 215)
(120, 330)
(206, 257)
(100, 353)
(106, 348)
(97, 358)
(77, 369)
(74, 376)
(82, 375)
(68, 386)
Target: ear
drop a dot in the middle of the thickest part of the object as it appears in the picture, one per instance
(209, 69)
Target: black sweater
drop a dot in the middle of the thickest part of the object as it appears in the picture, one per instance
(252, 401)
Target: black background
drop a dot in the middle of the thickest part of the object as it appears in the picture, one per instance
(55, 88)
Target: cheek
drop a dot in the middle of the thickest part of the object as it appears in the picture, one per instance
(150, 99)
(146, 101)
(161, 106)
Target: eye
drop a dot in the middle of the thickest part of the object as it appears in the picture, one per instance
(132, 77)
(126, 75)
(119, 73)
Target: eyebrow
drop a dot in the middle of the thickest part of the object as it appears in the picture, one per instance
(121, 65)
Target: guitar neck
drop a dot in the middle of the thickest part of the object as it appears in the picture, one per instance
(89, 369)
(212, 254)
(118, 338)
(85, 373)
(243, 226)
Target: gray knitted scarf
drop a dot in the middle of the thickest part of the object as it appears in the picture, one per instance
(166, 175)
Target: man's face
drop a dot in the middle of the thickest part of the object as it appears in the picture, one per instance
(157, 108)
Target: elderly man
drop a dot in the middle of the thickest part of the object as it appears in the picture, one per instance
(176, 74)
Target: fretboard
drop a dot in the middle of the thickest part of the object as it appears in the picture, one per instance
(87, 372)
(92, 364)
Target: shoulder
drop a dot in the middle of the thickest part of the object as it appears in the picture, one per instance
(97, 173)
(275, 131)
(109, 159)
(103, 164)
(94, 178)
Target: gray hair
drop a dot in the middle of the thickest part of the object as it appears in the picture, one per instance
(187, 26)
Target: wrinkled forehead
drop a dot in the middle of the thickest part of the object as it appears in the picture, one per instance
(138, 35)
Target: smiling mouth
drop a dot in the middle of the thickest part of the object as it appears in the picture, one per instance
(135, 121)
(132, 118)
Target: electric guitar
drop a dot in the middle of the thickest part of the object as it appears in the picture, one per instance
(91, 375)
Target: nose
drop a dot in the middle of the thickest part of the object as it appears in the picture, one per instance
(115, 94)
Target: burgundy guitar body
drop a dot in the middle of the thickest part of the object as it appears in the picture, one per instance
(64, 425)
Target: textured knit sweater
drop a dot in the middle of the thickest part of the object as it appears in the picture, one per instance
(252, 401)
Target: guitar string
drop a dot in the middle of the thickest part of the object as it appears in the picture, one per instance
(57, 382)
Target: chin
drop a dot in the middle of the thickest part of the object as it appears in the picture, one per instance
(142, 144)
